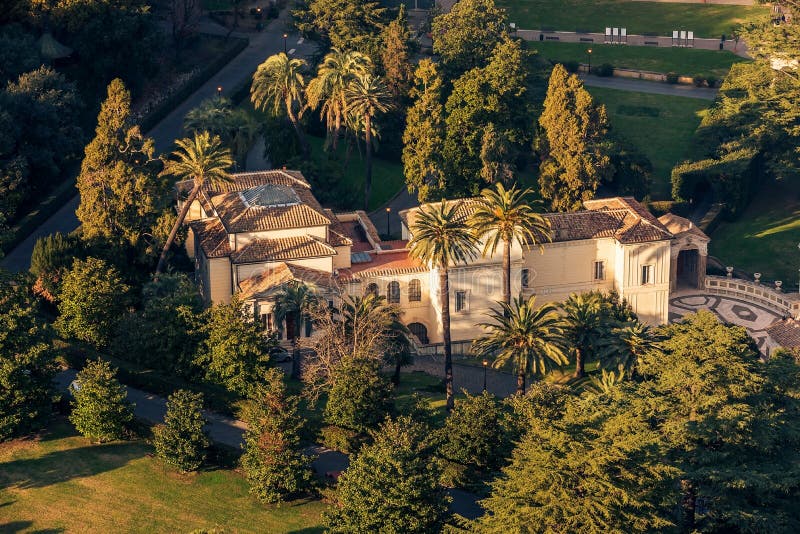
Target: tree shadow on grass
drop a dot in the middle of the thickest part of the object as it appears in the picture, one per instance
(19, 526)
(64, 465)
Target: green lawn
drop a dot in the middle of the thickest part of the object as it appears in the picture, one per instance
(61, 483)
(705, 20)
(660, 126)
(684, 61)
(765, 237)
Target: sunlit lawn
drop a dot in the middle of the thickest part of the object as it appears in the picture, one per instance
(705, 20)
(765, 237)
(658, 125)
(62, 483)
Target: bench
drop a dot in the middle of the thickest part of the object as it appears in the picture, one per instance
(651, 43)
(552, 38)
(587, 40)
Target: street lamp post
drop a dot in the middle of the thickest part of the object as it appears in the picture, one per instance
(485, 365)
(219, 91)
(285, 36)
(388, 228)
(589, 51)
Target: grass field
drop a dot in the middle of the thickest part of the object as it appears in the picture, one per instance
(765, 237)
(61, 483)
(704, 20)
(684, 61)
(660, 126)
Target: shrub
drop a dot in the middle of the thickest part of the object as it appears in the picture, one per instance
(604, 70)
(181, 441)
(340, 439)
(711, 81)
(272, 461)
(100, 409)
(572, 66)
(699, 81)
(360, 396)
(672, 77)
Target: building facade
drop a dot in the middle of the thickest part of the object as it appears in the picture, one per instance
(263, 229)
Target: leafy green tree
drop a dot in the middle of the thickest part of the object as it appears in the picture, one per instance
(777, 42)
(497, 157)
(293, 304)
(327, 90)
(121, 193)
(169, 318)
(440, 238)
(423, 138)
(496, 95)
(100, 407)
(234, 352)
(234, 126)
(272, 461)
(474, 435)
(391, 486)
(396, 57)
(466, 36)
(508, 216)
(278, 87)
(93, 298)
(181, 441)
(542, 402)
(531, 337)
(344, 24)
(200, 159)
(586, 327)
(573, 128)
(18, 52)
(366, 97)
(360, 397)
(730, 425)
(596, 468)
(27, 361)
(51, 258)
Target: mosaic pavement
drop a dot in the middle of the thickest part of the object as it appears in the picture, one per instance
(753, 317)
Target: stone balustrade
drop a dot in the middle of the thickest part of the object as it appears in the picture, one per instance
(758, 293)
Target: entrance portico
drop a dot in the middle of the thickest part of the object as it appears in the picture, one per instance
(688, 253)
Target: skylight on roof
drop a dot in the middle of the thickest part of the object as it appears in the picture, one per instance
(270, 196)
(360, 257)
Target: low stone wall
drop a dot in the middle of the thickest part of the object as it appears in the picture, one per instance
(783, 303)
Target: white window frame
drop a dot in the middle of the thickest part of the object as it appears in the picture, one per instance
(602, 265)
(646, 274)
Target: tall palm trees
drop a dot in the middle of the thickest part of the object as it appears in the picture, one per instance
(293, 304)
(278, 86)
(441, 238)
(504, 216)
(367, 96)
(586, 326)
(334, 75)
(531, 337)
(201, 159)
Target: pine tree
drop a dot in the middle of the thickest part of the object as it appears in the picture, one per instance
(571, 143)
(272, 461)
(51, 258)
(122, 196)
(181, 440)
(391, 485)
(395, 57)
(100, 409)
(423, 138)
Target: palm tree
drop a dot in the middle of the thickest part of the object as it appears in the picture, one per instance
(531, 337)
(367, 96)
(202, 159)
(441, 238)
(278, 85)
(628, 342)
(236, 127)
(334, 74)
(294, 304)
(585, 325)
(504, 216)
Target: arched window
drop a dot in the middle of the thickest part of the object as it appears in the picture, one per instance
(372, 289)
(393, 292)
(420, 332)
(414, 291)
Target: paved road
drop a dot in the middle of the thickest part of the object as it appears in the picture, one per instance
(657, 88)
(262, 45)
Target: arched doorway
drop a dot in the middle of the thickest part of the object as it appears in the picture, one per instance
(420, 331)
(688, 269)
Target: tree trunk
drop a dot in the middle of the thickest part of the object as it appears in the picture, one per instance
(507, 273)
(368, 150)
(398, 363)
(521, 382)
(579, 372)
(688, 506)
(174, 232)
(336, 129)
(291, 335)
(301, 138)
(444, 302)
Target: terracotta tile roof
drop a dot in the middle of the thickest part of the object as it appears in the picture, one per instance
(639, 228)
(678, 225)
(785, 333)
(263, 283)
(286, 248)
(337, 233)
(384, 265)
(212, 237)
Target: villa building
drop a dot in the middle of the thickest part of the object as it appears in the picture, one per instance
(253, 235)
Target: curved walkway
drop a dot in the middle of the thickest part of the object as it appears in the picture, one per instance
(656, 88)
(753, 317)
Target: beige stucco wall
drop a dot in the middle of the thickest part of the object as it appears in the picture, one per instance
(650, 301)
(218, 280)
(342, 258)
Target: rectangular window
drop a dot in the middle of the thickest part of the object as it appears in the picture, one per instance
(599, 270)
(526, 277)
(647, 274)
(414, 291)
(461, 301)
